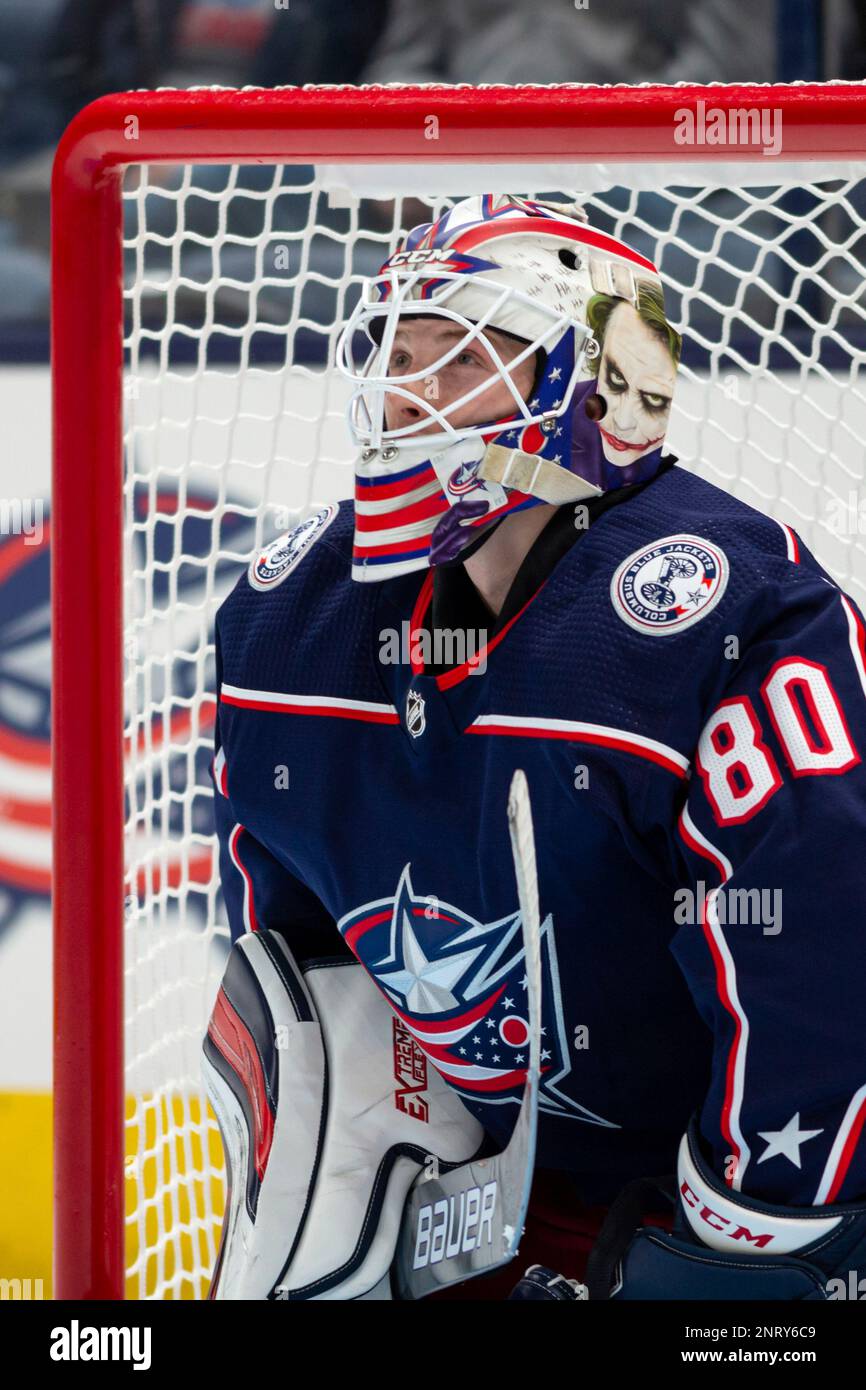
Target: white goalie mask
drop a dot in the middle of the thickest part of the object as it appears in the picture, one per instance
(426, 489)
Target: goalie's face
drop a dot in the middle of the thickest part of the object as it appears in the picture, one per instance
(420, 343)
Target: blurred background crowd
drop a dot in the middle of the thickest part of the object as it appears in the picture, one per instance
(56, 55)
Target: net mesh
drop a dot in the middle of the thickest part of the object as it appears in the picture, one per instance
(237, 280)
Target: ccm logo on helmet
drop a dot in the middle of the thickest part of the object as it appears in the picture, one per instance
(435, 255)
(717, 1222)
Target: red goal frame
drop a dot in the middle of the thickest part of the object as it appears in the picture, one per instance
(291, 125)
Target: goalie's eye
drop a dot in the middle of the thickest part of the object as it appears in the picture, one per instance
(654, 403)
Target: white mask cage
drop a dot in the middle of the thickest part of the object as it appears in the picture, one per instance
(372, 383)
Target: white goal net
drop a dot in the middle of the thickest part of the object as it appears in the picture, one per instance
(237, 282)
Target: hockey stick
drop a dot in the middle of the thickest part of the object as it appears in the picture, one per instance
(484, 1201)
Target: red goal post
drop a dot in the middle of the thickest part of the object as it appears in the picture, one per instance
(410, 133)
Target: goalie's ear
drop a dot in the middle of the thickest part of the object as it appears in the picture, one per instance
(323, 1138)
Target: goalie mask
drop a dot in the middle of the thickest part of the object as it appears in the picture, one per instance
(567, 332)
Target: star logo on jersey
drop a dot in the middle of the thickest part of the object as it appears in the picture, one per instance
(787, 1141)
(459, 986)
(273, 564)
(669, 585)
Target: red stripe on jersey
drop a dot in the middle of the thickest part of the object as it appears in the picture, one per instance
(793, 543)
(422, 603)
(331, 711)
(459, 673)
(706, 852)
(848, 1152)
(620, 742)
(250, 920)
(859, 628)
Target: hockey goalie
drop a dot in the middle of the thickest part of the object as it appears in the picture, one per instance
(526, 579)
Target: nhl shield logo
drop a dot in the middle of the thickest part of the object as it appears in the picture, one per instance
(669, 585)
(271, 566)
(416, 720)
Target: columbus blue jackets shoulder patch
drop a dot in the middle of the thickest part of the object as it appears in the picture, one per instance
(272, 564)
(669, 585)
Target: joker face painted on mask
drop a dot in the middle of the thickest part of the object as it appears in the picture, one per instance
(636, 375)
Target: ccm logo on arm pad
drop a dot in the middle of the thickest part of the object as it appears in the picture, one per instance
(724, 1224)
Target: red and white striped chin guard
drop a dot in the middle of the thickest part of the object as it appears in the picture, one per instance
(402, 498)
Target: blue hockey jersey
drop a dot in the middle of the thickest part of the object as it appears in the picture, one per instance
(686, 692)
